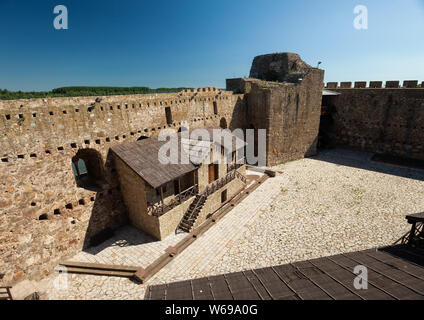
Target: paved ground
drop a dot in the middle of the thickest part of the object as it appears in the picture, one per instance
(128, 247)
(337, 202)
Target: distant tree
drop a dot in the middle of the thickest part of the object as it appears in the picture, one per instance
(84, 91)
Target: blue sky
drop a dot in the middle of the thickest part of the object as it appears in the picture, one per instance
(201, 43)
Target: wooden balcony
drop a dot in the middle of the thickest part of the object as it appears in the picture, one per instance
(159, 209)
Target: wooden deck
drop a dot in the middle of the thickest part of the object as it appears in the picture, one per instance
(394, 273)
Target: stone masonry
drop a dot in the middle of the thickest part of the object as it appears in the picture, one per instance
(45, 216)
(387, 120)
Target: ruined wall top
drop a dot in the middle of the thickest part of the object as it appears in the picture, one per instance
(278, 67)
(73, 101)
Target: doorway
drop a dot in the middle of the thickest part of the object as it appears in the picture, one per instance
(213, 172)
(224, 196)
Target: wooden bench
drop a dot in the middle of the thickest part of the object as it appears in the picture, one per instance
(416, 235)
(5, 293)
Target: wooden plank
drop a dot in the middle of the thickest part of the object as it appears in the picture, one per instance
(240, 287)
(179, 291)
(219, 288)
(400, 264)
(158, 292)
(97, 272)
(336, 290)
(201, 289)
(406, 253)
(260, 289)
(276, 288)
(396, 275)
(379, 281)
(346, 278)
(97, 266)
(300, 284)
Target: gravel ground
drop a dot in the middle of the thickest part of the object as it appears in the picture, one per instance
(339, 201)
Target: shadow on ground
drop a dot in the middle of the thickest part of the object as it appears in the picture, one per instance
(125, 236)
(405, 252)
(362, 160)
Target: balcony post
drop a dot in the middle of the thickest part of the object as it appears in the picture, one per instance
(161, 197)
(179, 189)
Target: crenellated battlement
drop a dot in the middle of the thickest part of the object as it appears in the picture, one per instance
(42, 139)
(407, 84)
(58, 122)
(119, 99)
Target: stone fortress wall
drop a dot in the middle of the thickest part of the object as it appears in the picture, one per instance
(44, 215)
(283, 95)
(386, 119)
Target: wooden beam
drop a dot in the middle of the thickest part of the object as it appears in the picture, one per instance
(161, 197)
(179, 189)
(98, 266)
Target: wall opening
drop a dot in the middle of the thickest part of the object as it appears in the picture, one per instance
(215, 107)
(142, 138)
(223, 196)
(88, 169)
(168, 114)
(223, 123)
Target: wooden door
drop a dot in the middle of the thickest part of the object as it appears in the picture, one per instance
(211, 173)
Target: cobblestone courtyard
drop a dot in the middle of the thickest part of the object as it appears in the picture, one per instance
(339, 201)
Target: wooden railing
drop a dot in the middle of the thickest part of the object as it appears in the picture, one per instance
(5, 293)
(218, 184)
(159, 209)
(192, 212)
(234, 166)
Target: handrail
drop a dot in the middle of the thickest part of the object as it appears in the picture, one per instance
(159, 209)
(9, 294)
(236, 165)
(241, 177)
(218, 184)
(211, 188)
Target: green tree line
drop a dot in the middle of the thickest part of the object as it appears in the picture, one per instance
(83, 92)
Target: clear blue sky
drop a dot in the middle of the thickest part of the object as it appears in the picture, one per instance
(201, 43)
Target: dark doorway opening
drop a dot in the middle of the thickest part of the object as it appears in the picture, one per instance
(223, 196)
(168, 114)
(215, 108)
(223, 123)
(88, 169)
(176, 187)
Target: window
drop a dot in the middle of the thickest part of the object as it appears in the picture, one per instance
(223, 196)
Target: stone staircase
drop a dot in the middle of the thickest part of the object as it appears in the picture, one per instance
(196, 206)
(193, 212)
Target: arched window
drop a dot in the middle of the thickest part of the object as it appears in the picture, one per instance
(142, 138)
(223, 123)
(88, 169)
